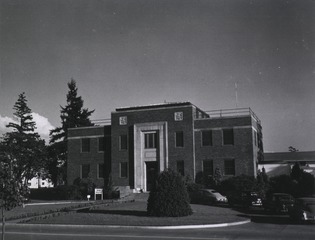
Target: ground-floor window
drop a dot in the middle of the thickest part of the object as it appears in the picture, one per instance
(100, 170)
(85, 170)
(207, 167)
(181, 167)
(229, 167)
(123, 169)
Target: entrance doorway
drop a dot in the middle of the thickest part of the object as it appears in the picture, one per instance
(151, 174)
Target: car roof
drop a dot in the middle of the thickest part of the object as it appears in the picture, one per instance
(307, 199)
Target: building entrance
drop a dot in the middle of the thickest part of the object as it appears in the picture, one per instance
(151, 172)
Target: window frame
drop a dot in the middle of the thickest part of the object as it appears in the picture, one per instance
(182, 139)
(227, 173)
(120, 142)
(210, 138)
(120, 169)
(99, 144)
(225, 138)
(147, 140)
(203, 166)
(82, 145)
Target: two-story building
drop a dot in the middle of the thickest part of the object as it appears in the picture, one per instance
(142, 141)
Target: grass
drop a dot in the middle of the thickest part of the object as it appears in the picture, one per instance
(134, 214)
(36, 210)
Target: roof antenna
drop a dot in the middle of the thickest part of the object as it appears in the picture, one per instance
(236, 101)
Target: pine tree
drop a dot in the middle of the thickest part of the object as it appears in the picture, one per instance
(72, 115)
(23, 152)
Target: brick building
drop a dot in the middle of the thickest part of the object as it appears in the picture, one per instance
(144, 140)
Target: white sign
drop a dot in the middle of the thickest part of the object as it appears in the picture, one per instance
(98, 190)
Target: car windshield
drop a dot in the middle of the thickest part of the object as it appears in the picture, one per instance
(310, 207)
(285, 198)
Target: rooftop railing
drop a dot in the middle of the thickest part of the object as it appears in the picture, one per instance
(236, 112)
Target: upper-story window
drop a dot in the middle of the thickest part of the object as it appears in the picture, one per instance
(123, 120)
(123, 145)
(150, 140)
(228, 136)
(206, 138)
(178, 116)
(85, 145)
(179, 139)
(101, 144)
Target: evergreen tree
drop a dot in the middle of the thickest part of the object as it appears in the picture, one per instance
(72, 115)
(23, 153)
(296, 172)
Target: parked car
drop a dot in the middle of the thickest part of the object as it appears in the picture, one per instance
(303, 210)
(207, 196)
(245, 199)
(278, 202)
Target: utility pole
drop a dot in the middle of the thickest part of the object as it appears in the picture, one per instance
(2, 212)
(236, 100)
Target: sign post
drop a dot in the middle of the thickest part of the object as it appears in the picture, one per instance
(98, 191)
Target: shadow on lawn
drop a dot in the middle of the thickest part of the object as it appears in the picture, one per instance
(116, 212)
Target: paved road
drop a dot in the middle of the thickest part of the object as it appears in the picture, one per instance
(254, 230)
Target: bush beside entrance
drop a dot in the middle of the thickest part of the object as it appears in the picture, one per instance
(169, 196)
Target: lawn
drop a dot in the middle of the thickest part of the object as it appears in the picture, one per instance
(35, 210)
(134, 214)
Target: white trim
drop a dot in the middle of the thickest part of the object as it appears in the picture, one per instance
(80, 137)
(150, 109)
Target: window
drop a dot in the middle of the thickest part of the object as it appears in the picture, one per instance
(100, 170)
(229, 167)
(206, 138)
(101, 146)
(179, 139)
(123, 169)
(85, 145)
(255, 138)
(85, 170)
(228, 137)
(180, 167)
(123, 142)
(150, 140)
(207, 167)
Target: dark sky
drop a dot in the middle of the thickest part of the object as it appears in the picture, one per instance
(136, 52)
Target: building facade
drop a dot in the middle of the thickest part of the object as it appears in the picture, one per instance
(142, 141)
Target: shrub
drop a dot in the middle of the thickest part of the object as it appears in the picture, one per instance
(169, 196)
(57, 193)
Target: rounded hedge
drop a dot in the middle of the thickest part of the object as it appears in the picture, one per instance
(169, 196)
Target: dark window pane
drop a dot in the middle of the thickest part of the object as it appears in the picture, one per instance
(179, 139)
(123, 170)
(150, 140)
(123, 142)
(229, 167)
(85, 170)
(181, 167)
(228, 137)
(101, 170)
(208, 167)
(206, 138)
(101, 145)
(85, 145)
